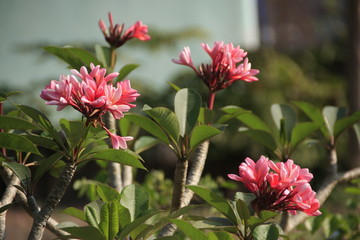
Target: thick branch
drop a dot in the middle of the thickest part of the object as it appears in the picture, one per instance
(322, 194)
(51, 202)
(7, 198)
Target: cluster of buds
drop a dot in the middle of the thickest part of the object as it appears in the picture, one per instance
(278, 186)
(93, 97)
(228, 65)
(114, 33)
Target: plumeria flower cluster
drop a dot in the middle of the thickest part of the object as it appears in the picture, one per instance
(93, 96)
(228, 65)
(114, 33)
(278, 186)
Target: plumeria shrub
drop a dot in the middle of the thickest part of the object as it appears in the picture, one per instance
(277, 195)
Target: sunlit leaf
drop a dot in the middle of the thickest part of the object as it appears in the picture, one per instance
(285, 119)
(107, 194)
(77, 213)
(109, 220)
(119, 156)
(21, 171)
(148, 125)
(74, 131)
(103, 54)
(166, 119)
(220, 236)
(46, 164)
(266, 232)
(202, 133)
(144, 143)
(85, 233)
(331, 115)
(344, 123)
(126, 70)
(136, 199)
(301, 131)
(261, 136)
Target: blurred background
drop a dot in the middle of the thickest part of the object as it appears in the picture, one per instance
(305, 50)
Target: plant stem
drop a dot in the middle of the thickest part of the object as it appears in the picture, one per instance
(51, 202)
(179, 184)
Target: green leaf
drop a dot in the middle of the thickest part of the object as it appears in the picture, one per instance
(202, 133)
(342, 124)
(124, 216)
(166, 119)
(243, 211)
(9, 122)
(285, 119)
(92, 213)
(75, 57)
(314, 114)
(21, 171)
(264, 216)
(187, 105)
(46, 164)
(103, 54)
(17, 143)
(148, 125)
(84, 233)
(42, 141)
(357, 131)
(215, 223)
(266, 232)
(331, 115)
(119, 156)
(261, 136)
(126, 70)
(5, 95)
(174, 86)
(107, 194)
(136, 223)
(109, 220)
(74, 131)
(220, 236)
(77, 213)
(218, 202)
(301, 131)
(144, 143)
(189, 230)
(41, 119)
(136, 199)
(206, 116)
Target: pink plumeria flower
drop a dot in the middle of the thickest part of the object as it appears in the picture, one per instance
(114, 34)
(278, 186)
(229, 64)
(117, 141)
(93, 96)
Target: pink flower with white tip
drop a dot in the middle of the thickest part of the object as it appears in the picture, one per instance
(93, 96)
(278, 186)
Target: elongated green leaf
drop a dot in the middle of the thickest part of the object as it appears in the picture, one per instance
(331, 115)
(285, 119)
(136, 199)
(206, 116)
(75, 57)
(189, 230)
(166, 119)
(357, 131)
(77, 213)
(109, 220)
(85, 233)
(342, 124)
(314, 114)
(254, 122)
(46, 164)
(92, 215)
(17, 143)
(119, 156)
(103, 54)
(174, 86)
(42, 141)
(124, 216)
(9, 122)
(264, 216)
(232, 112)
(187, 105)
(43, 121)
(301, 131)
(136, 223)
(220, 236)
(21, 171)
(148, 125)
(107, 194)
(243, 211)
(74, 131)
(261, 136)
(5, 95)
(266, 232)
(144, 143)
(126, 70)
(218, 202)
(216, 224)
(202, 133)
